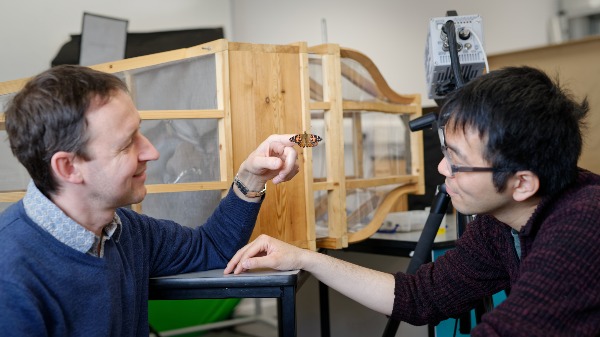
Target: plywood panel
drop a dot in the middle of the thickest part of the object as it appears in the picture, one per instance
(265, 88)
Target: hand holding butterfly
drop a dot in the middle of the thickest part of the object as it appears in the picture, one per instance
(275, 159)
(369, 287)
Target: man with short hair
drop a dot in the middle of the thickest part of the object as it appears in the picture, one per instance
(74, 261)
(511, 141)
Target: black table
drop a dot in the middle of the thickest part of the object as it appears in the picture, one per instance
(256, 284)
(401, 244)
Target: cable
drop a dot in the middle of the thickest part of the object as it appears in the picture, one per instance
(487, 66)
(454, 60)
(455, 326)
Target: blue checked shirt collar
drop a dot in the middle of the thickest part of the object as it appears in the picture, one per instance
(52, 219)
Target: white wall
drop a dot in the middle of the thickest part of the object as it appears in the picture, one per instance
(391, 32)
(32, 32)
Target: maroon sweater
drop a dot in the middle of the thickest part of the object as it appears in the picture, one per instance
(555, 287)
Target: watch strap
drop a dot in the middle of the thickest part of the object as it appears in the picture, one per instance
(245, 191)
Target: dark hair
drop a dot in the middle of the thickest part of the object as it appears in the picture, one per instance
(528, 122)
(48, 115)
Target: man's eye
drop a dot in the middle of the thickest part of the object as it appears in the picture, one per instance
(128, 146)
(453, 159)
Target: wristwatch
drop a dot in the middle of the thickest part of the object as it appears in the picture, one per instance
(246, 192)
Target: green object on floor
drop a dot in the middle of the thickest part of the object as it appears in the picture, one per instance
(167, 315)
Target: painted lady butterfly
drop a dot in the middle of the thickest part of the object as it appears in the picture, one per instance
(306, 139)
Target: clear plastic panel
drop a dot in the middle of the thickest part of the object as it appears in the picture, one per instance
(376, 145)
(362, 203)
(14, 175)
(315, 73)
(189, 150)
(357, 83)
(383, 140)
(188, 84)
(321, 219)
(319, 153)
(190, 209)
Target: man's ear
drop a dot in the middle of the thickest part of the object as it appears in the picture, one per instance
(64, 168)
(525, 185)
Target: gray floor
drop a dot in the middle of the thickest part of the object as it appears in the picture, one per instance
(251, 330)
(248, 330)
(257, 329)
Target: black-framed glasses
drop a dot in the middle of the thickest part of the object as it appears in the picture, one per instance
(456, 168)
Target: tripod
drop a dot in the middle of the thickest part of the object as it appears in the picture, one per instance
(424, 245)
(423, 250)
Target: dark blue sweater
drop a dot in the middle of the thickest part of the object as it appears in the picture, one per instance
(50, 289)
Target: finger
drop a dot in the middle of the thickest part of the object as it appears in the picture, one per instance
(231, 264)
(284, 139)
(251, 250)
(290, 166)
(277, 149)
(267, 163)
(235, 260)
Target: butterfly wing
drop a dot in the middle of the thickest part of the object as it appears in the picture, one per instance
(313, 140)
(296, 139)
(306, 140)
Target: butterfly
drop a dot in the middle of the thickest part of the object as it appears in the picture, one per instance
(306, 139)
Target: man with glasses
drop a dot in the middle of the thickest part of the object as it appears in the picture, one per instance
(511, 141)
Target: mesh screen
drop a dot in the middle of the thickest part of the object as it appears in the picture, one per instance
(189, 150)
(186, 208)
(188, 84)
(14, 176)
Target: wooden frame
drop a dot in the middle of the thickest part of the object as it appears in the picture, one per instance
(266, 89)
(329, 98)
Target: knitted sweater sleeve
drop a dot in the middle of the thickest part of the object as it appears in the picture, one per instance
(455, 281)
(172, 249)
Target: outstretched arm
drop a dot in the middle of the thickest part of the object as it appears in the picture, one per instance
(371, 288)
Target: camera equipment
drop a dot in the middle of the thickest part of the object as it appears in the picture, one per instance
(449, 64)
(454, 53)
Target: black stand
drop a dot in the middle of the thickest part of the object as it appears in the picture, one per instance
(440, 203)
(424, 245)
(422, 255)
